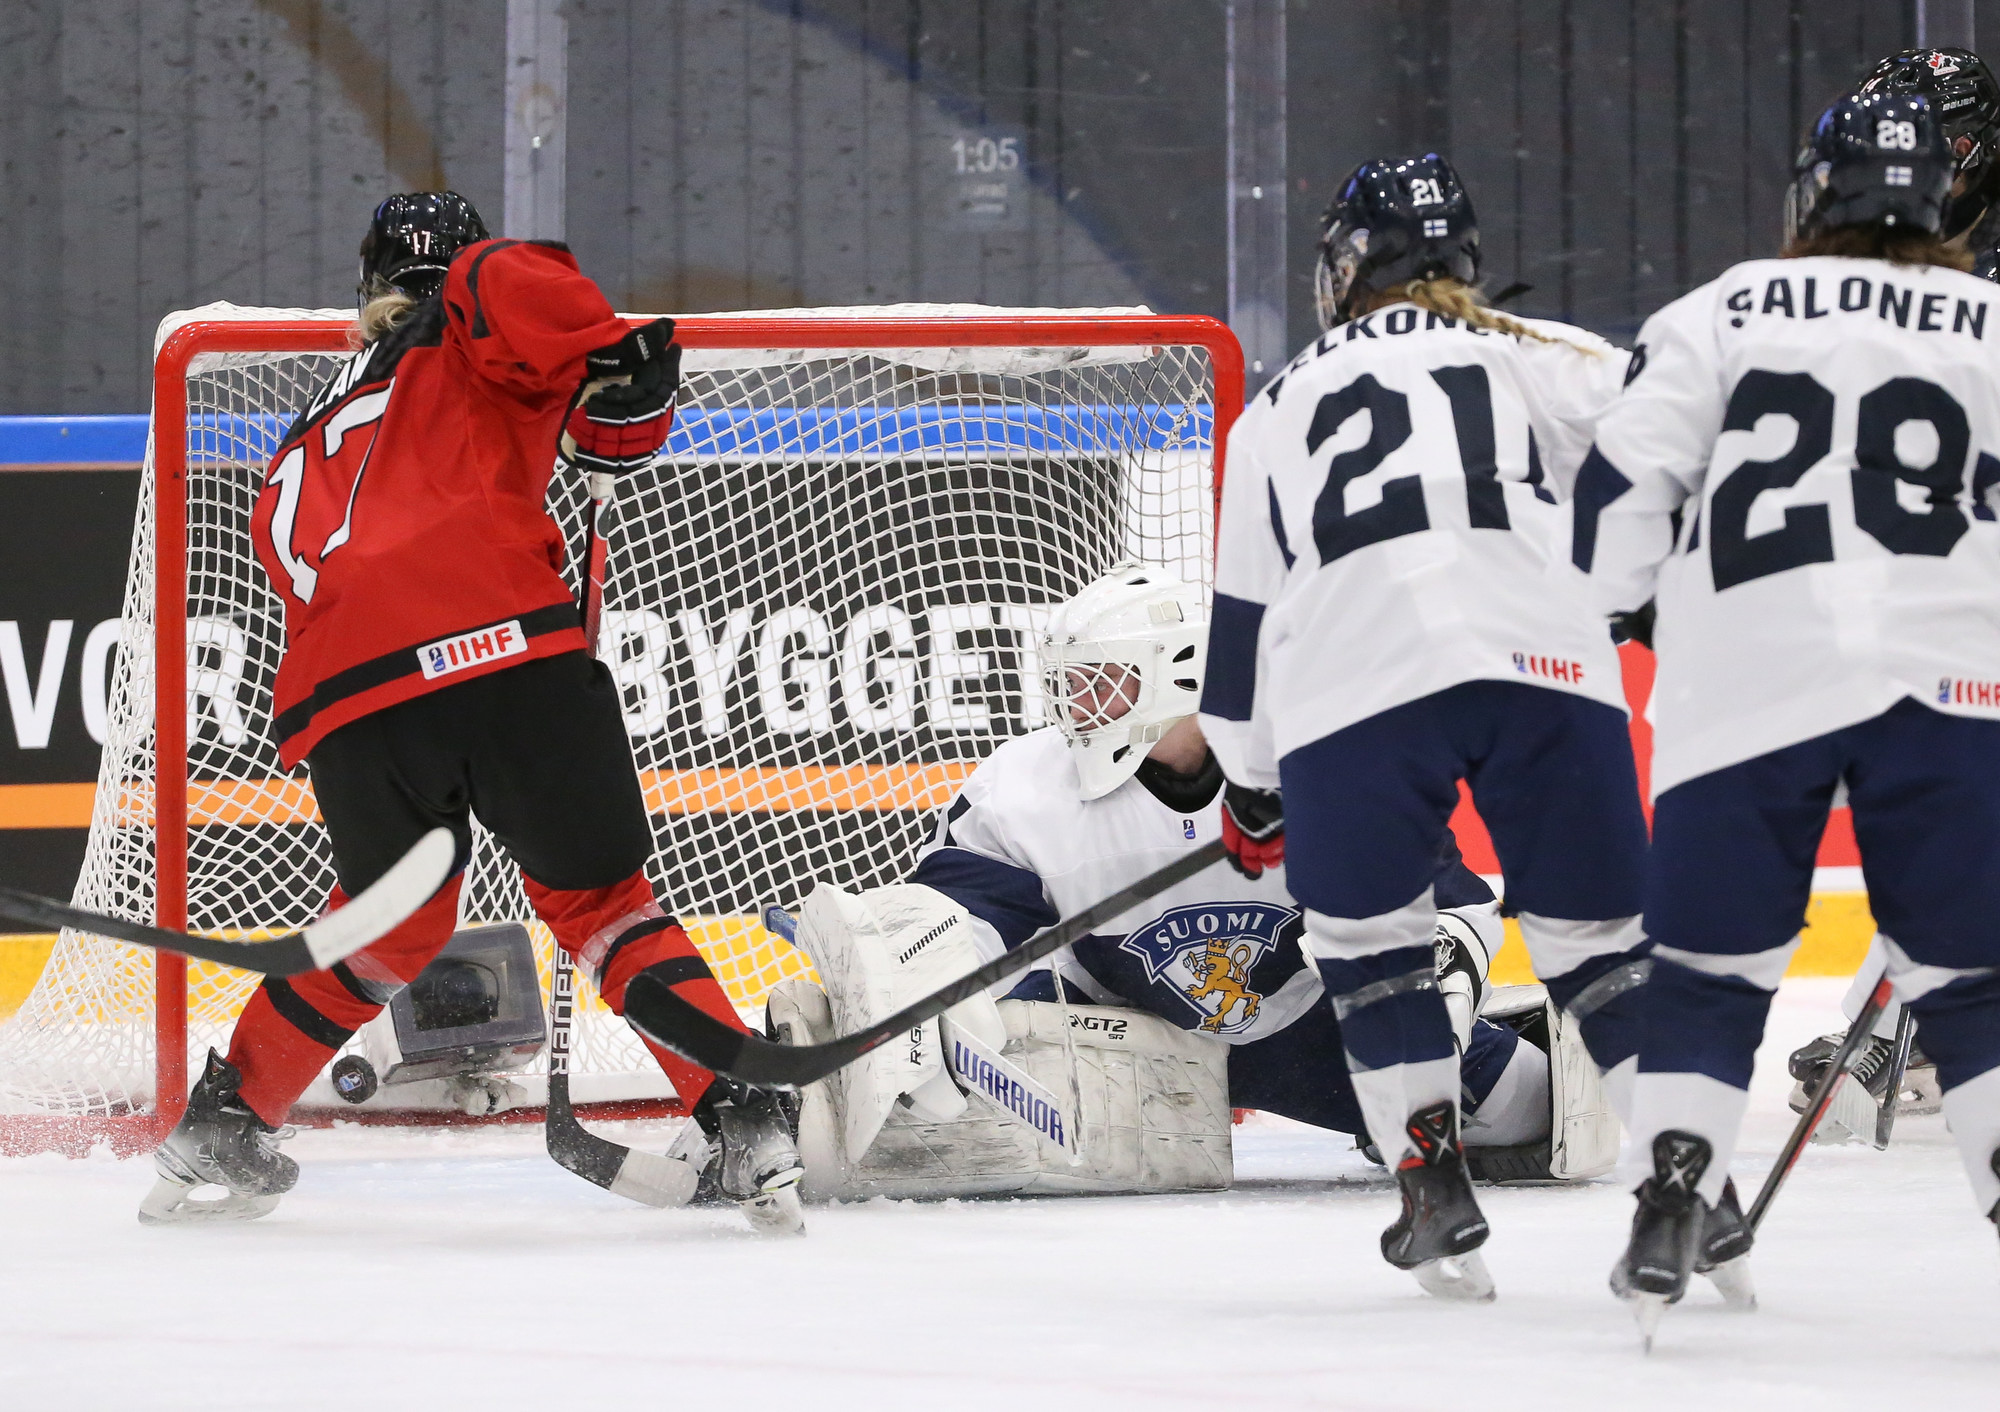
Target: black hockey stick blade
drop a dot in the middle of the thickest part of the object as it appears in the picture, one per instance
(1822, 1099)
(666, 1019)
(644, 1177)
(383, 906)
(1899, 1067)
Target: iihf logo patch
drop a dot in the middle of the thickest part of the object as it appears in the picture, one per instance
(1205, 953)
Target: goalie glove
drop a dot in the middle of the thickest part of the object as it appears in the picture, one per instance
(1253, 829)
(624, 412)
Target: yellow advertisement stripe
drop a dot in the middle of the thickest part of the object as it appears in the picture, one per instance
(239, 803)
(1836, 936)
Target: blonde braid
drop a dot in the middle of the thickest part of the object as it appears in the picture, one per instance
(381, 314)
(1454, 299)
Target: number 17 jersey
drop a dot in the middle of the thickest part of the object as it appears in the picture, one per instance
(1395, 522)
(1802, 473)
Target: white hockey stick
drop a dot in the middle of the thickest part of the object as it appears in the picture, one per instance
(380, 908)
(645, 1177)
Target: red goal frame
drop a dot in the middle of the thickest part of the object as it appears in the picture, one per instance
(136, 1132)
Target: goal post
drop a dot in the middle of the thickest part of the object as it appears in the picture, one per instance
(820, 612)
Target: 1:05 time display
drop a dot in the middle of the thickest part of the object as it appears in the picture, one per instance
(985, 154)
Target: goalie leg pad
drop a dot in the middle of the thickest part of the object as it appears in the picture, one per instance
(876, 952)
(1156, 1117)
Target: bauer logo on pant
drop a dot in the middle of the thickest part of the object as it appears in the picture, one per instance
(472, 649)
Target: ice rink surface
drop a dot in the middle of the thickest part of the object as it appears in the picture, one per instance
(465, 1271)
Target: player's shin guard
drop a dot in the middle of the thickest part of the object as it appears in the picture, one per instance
(620, 931)
(1702, 1030)
(1397, 1034)
(291, 1029)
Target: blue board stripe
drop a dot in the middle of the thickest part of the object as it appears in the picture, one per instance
(699, 432)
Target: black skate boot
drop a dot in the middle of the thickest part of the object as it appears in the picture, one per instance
(753, 1154)
(1666, 1230)
(219, 1142)
(1920, 1094)
(1724, 1253)
(1437, 1238)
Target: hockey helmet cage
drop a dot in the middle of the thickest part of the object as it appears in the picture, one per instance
(411, 240)
(1965, 97)
(1121, 663)
(1872, 158)
(1393, 219)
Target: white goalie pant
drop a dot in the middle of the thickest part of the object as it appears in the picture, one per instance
(985, 1102)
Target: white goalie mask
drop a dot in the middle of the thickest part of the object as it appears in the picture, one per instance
(1121, 663)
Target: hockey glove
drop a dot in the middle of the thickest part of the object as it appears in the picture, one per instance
(1635, 626)
(1253, 829)
(620, 426)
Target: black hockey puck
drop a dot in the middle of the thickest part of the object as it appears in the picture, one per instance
(354, 1078)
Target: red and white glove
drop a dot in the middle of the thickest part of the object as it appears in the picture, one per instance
(1253, 829)
(627, 408)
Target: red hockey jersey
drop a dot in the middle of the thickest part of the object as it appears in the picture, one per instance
(403, 520)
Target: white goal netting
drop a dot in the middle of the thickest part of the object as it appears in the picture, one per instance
(821, 607)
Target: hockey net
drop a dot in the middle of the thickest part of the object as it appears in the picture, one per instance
(821, 608)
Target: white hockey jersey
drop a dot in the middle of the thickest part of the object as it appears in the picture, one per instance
(1020, 850)
(1802, 471)
(1392, 525)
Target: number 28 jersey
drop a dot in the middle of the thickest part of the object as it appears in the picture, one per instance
(1395, 522)
(1802, 473)
(403, 521)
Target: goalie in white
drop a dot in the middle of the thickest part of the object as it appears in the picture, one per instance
(1193, 1002)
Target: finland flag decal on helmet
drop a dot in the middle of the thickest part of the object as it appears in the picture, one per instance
(1871, 159)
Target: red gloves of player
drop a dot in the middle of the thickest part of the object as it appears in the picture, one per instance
(1253, 829)
(621, 426)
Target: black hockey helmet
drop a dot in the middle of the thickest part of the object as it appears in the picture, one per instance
(1966, 99)
(411, 240)
(1872, 158)
(1394, 219)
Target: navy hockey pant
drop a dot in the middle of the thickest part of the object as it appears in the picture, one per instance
(1731, 873)
(1366, 807)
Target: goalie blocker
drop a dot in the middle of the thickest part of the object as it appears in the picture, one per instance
(1025, 1095)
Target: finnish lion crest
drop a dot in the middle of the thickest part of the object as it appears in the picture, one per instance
(1206, 953)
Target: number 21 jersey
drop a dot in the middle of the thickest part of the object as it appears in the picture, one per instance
(1394, 523)
(1801, 472)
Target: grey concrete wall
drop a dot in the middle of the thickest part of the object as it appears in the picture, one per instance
(751, 153)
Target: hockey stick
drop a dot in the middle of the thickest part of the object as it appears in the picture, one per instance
(1822, 1098)
(380, 908)
(1899, 1065)
(663, 1017)
(644, 1177)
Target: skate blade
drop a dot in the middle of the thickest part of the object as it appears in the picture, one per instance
(1647, 1309)
(1732, 1281)
(776, 1211)
(172, 1203)
(1461, 1277)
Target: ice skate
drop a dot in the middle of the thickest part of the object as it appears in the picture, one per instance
(1437, 1238)
(1667, 1231)
(1724, 1253)
(218, 1142)
(757, 1162)
(1920, 1094)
